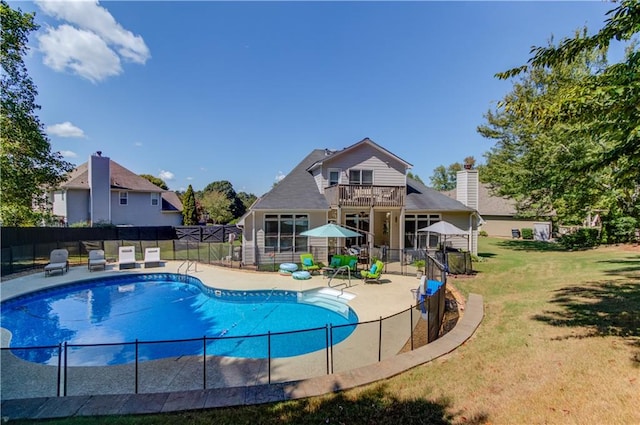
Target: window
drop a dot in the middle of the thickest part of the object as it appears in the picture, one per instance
(361, 177)
(155, 199)
(282, 232)
(420, 240)
(334, 177)
(124, 198)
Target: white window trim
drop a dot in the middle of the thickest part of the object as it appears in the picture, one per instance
(279, 218)
(155, 196)
(121, 198)
(334, 170)
(360, 170)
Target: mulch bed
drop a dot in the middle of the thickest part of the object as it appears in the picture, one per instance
(451, 317)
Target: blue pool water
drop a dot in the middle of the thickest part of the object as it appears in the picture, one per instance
(116, 311)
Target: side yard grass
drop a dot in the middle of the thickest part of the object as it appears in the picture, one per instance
(560, 344)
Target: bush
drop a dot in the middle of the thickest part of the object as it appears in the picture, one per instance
(585, 237)
(527, 233)
(483, 233)
(621, 229)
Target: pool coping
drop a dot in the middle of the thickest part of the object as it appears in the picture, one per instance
(150, 403)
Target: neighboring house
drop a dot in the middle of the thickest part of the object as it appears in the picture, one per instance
(499, 215)
(103, 191)
(363, 186)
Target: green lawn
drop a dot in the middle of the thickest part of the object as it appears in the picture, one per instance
(560, 343)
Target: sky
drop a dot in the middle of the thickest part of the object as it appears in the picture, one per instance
(197, 92)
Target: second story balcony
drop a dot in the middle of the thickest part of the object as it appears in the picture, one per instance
(349, 195)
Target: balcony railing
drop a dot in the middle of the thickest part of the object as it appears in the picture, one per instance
(348, 195)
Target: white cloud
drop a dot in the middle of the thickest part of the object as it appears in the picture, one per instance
(280, 176)
(166, 175)
(65, 129)
(137, 144)
(189, 178)
(68, 154)
(90, 43)
(80, 51)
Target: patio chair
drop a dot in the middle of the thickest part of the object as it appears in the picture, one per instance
(58, 260)
(308, 264)
(127, 257)
(152, 257)
(374, 273)
(96, 259)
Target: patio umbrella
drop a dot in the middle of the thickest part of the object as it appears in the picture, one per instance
(445, 229)
(330, 231)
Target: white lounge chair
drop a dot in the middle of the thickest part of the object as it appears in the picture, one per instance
(58, 260)
(151, 257)
(96, 259)
(127, 257)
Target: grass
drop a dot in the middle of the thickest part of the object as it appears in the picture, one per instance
(560, 344)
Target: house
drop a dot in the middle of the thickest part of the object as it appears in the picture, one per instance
(103, 191)
(364, 187)
(499, 214)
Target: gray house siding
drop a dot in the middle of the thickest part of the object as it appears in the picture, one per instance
(254, 236)
(77, 206)
(139, 211)
(387, 171)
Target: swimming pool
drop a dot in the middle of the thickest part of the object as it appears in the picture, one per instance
(116, 311)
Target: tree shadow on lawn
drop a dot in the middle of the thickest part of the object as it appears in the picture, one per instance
(604, 308)
(632, 267)
(527, 245)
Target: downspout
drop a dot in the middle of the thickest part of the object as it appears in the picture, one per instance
(253, 234)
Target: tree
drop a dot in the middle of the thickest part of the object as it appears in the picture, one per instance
(236, 206)
(414, 177)
(217, 206)
(155, 180)
(600, 108)
(189, 210)
(546, 163)
(445, 178)
(247, 199)
(29, 168)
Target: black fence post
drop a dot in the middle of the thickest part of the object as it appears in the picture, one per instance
(331, 344)
(66, 350)
(411, 325)
(59, 369)
(326, 342)
(269, 354)
(380, 340)
(136, 369)
(204, 362)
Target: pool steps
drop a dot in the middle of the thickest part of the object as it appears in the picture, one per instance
(332, 299)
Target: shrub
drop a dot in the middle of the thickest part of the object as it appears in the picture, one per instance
(527, 233)
(483, 233)
(621, 229)
(585, 237)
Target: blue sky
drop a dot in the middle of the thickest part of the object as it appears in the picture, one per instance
(196, 92)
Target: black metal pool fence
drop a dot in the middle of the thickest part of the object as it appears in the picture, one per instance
(29, 257)
(370, 342)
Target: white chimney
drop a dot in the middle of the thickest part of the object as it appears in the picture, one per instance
(467, 188)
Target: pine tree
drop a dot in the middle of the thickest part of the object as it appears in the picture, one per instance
(189, 211)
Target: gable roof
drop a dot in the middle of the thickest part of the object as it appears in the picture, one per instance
(297, 191)
(330, 155)
(489, 204)
(421, 198)
(122, 179)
